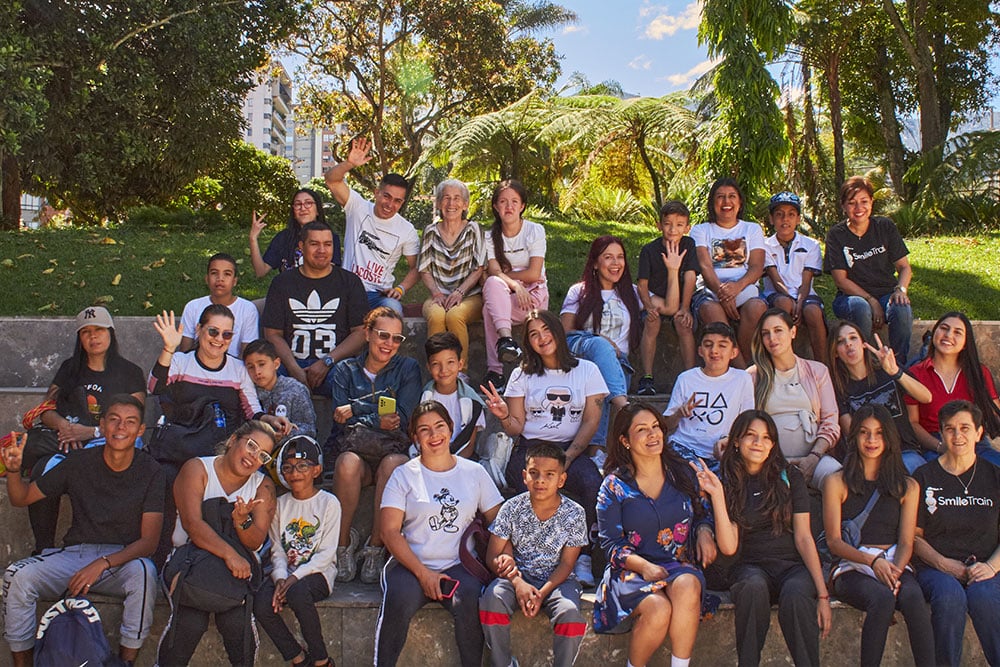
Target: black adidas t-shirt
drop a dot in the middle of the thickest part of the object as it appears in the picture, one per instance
(757, 542)
(959, 524)
(315, 314)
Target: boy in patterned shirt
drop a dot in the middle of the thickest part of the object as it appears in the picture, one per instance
(534, 543)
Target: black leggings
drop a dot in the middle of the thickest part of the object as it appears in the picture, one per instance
(301, 597)
(189, 624)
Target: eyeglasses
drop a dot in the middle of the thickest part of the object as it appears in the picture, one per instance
(301, 466)
(385, 335)
(304, 204)
(257, 452)
(215, 332)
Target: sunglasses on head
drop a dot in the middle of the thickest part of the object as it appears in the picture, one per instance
(215, 332)
(385, 335)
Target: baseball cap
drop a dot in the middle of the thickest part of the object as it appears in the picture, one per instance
(785, 198)
(306, 449)
(94, 316)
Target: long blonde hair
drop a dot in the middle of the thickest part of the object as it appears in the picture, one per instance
(764, 382)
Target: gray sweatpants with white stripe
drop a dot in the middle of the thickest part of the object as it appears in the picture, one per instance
(47, 577)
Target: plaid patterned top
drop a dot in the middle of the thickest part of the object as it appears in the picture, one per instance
(450, 265)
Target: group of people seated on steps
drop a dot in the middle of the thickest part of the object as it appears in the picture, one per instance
(727, 489)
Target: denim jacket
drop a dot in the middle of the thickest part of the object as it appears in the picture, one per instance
(400, 379)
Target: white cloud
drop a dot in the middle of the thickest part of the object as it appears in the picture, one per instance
(692, 74)
(641, 62)
(660, 23)
(576, 30)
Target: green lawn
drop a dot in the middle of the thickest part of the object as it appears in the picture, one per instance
(141, 271)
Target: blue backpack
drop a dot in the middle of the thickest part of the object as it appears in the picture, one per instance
(70, 633)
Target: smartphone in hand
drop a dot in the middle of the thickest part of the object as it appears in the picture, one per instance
(386, 405)
(448, 587)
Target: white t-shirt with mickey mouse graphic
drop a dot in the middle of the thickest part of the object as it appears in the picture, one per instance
(554, 400)
(438, 506)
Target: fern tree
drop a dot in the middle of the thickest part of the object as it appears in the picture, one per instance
(655, 135)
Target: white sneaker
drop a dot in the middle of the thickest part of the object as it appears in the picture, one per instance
(583, 571)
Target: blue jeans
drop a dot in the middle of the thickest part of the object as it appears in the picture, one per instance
(949, 603)
(913, 459)
(615, 369)
(899, 319)
(376, 299)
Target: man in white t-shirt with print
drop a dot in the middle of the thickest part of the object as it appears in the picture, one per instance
(376, 235)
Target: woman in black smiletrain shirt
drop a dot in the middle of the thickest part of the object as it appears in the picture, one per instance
(874, 577)
(958, 537)
(777, 559)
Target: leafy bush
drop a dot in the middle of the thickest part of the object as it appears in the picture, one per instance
(604, 203)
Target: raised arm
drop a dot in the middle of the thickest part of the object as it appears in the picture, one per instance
(360, 154)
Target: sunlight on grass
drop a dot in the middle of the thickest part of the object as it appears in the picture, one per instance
(58, 272)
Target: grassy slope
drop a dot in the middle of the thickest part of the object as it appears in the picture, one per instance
(163, 268)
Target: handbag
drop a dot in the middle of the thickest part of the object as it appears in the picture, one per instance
(372, 444)
(850, 530)
(472, 549)
(193, 432)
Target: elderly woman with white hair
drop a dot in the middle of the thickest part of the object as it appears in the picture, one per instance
(452, 257)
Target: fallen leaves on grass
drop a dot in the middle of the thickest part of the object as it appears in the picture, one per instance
(48, 271)
(107, 240)
(7, 263)
(48, 307)
(185, 277)
(103, 300)
(147, 305)
(116, 280)
(154, 265)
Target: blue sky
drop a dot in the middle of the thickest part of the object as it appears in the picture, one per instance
(651, 48)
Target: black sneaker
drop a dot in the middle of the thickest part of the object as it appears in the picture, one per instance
(646, 386)
(496, 379)
(508, 351)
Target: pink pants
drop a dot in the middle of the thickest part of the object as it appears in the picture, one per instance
(501, 311)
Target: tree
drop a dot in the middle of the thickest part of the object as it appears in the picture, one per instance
(143, 96)
(747, 139)
(399, 70)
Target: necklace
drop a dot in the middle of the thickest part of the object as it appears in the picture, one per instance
(965, 487)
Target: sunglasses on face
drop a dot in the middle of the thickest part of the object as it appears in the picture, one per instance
(257, 452)
(385, 335)
(300, 467)
(215, 332)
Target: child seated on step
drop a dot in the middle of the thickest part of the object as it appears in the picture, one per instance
(221, 278)
(463, 403)
(534, 543)
(304, 535)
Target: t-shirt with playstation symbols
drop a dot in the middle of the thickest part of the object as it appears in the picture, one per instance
(960, 515)
(373, 246)
(718, 401)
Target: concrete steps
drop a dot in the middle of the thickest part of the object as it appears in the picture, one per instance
(350, 615)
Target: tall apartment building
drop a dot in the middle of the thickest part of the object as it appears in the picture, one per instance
(268, 109)
(311, 155)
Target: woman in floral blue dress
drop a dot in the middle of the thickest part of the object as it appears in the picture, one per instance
(648, 509)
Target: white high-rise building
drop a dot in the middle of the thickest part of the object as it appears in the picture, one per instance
(311, 155)
(268, 109)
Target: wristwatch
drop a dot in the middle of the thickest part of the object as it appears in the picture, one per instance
(246, 524)
(900, 288)
(328, 361)
(97, 431)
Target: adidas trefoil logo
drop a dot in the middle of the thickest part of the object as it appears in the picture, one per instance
(313, 311)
